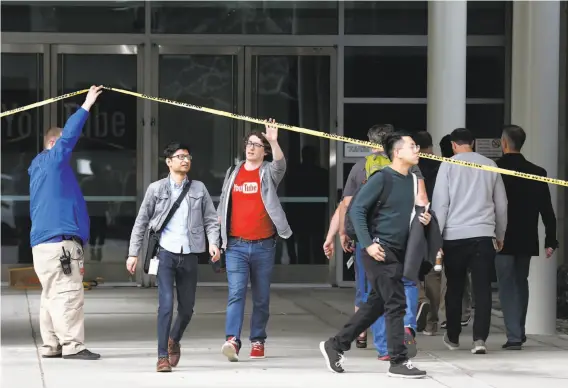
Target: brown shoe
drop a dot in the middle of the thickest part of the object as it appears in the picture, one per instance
(174, 352)
(163, 365)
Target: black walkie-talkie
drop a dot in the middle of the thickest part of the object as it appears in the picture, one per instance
(65, 260)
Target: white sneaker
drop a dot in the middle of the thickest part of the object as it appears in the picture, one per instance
(479, 347)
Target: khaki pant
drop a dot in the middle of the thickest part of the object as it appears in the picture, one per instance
(434, 291)
(61, 318)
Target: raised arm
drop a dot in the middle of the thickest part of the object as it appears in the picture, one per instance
(278, 165)
(71, 133)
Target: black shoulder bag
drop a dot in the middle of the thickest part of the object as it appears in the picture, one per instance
(152, 239)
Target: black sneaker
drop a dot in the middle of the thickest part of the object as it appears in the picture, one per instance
(83, 355)
(405, 370)
(465, 322)
(444, 325)
(333, 358)
(513, 346)
(422, 317)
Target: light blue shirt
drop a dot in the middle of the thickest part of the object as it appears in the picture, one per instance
(175, 236)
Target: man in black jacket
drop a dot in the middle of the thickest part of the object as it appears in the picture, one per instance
(526, 200)
(383, 255)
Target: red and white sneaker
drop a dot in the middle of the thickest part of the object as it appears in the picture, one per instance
(231, 349)
(257, 350)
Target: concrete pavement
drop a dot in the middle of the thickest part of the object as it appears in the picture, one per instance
(121, 325)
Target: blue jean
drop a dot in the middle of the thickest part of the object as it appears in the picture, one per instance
(183, 270)
(254, 260)
(512, 275)
(363, 287)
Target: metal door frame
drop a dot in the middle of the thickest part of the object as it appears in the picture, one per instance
(138, 51)
(194, 50)
(206, 275)
(20, 48)
(287, 273)
(72, 49)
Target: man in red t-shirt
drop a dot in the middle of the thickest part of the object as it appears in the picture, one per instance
(251, 218)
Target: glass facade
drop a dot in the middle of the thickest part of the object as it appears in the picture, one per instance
(336, 67)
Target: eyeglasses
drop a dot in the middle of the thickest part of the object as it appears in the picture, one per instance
(182, 157)
(254, 145)
(414, 147)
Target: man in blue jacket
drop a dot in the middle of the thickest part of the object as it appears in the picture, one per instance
(60, 229)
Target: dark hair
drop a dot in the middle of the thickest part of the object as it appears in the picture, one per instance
(265, 143)
(173, 147)
(377, 132)
(391, 140)
(515, 135)
(446, 147)
(462, 136)
(423, 139)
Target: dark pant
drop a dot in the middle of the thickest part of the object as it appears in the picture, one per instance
(387, 296)
(512, 274)
(183, 270)
(477, 254)
(98, 230)
(254, 260)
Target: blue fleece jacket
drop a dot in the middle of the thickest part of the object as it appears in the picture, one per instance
(57, 206)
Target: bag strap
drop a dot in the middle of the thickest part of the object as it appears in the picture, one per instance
(176, 205)
(415, 181)
(385, 192)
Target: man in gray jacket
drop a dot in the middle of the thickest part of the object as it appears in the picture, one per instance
(180, 240)
(471, 206)
(251, 219)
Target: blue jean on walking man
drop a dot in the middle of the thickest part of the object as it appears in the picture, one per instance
(363, 287)
(183, 270)
(254, 260)
(512, 274)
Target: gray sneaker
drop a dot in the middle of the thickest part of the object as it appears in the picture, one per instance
(479, 347)
(449, 344)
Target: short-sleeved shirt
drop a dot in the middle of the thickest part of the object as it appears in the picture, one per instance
(249, 219)
(358, 175)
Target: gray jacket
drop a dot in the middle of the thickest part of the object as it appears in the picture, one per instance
(157, 202)
(271, 174)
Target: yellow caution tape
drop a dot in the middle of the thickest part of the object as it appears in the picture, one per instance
(42, 103)
(306, 131)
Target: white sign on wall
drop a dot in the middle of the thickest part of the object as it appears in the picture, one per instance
(355, 151)
(490, 148)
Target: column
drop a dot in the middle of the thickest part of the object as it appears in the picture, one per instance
(534, 106)
(447, 44)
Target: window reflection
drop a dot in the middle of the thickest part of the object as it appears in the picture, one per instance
(296, 90)
(104, 159)
(22, 84)
(245, 17)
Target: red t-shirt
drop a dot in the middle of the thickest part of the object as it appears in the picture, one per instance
(249, 219)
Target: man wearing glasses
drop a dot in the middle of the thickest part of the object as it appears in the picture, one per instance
(251, 218)
(181, 239)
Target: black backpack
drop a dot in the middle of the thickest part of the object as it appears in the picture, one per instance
(349, 230)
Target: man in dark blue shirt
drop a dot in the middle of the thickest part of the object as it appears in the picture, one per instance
(383, 235)
(60, 229)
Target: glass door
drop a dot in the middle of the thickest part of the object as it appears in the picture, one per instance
(25, 80)
(210, 77)
(296, 86)
(105, 159)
